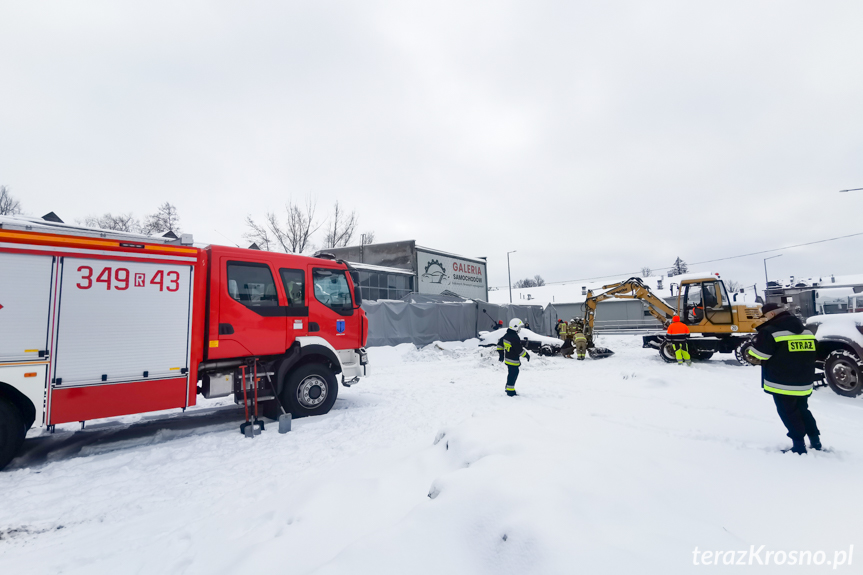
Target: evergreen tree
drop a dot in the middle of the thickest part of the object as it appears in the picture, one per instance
(679, 267)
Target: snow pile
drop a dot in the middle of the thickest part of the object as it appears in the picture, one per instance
(492, 337)
(621, 465)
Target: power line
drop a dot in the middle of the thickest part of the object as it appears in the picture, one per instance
(710, 261)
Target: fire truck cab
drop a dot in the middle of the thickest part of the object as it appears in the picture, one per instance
(97, 324)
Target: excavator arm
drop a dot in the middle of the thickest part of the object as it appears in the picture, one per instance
(633, 288)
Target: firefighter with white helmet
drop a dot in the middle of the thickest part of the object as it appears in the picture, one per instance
(510, 351)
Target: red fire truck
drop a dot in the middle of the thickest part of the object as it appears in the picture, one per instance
(98, 324)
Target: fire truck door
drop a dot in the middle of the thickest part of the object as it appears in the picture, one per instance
(331, 309)
(294, 283)
(25, 293)
(251, 315)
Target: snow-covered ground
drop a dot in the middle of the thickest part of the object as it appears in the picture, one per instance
(621, 465)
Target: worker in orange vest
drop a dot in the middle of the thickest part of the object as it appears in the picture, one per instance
(678, 335)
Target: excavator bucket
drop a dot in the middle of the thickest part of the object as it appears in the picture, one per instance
(599, 352)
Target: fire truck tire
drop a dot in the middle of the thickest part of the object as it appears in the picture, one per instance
(311, 389)
(12, 432)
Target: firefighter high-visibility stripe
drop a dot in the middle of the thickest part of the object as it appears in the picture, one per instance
(510, 388)
(759, 354)
(508, 362)
(805, 389)
(801, 337)
(782, 332)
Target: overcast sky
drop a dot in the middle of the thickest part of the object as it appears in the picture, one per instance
(593, 137)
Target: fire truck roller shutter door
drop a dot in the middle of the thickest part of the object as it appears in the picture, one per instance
(118, 319)
(26, 297)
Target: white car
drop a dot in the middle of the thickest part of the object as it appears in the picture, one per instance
(840, 348)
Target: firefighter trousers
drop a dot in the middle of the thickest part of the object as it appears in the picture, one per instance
(794, 412)
(511, 376)
(681, 352)
(581, 347)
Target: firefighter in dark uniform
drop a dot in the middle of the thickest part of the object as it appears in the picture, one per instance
(510, 351)
(786, 351)
(678, 336)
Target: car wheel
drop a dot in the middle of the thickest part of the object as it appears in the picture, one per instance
(311, 389)
(12, 432)
(844, 373)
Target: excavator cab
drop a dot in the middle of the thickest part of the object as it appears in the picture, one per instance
(704, 303)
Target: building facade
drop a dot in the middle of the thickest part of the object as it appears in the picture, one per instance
(395, 269)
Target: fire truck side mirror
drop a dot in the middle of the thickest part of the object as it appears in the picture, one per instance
(358, 297)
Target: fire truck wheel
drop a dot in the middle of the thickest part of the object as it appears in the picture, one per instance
(12, 432)
(310, 390)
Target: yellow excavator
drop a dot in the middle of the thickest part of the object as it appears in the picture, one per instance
(718, 324)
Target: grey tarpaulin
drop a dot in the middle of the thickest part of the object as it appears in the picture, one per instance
(490, 313)
(617, 314)
(394, 322)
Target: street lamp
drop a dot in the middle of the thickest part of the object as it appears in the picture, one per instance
(851, 190)
(766, 281)
(508, 275)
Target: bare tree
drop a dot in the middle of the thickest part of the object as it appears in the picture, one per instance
(258, 234)
(646, 271)
(9, 206)
(733, 285)
(294, 236)
(341, 228)
(165, 219)
(368, 237)
(538, 280)
(118, 223)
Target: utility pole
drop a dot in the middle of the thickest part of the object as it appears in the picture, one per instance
(509, 275)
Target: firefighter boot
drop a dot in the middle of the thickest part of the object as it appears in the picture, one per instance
(815, 442)
(799, 447)
(510, 391)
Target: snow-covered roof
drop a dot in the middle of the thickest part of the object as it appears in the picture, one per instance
(824, 282)
(571, 292)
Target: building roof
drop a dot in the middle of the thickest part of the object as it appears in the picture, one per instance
(380, 269)
(452, 255)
